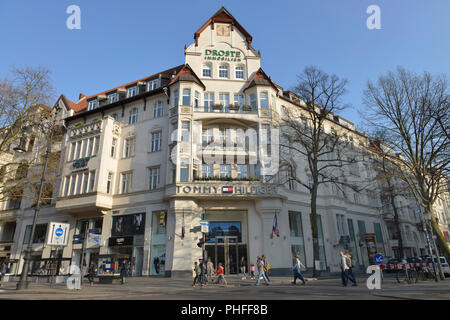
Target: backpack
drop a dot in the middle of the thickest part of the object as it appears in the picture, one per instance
(349, 262)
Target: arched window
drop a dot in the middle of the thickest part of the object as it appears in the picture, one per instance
(223, 71)
(207, 70)
(239, 72)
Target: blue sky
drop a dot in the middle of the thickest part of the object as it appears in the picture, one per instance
(121, 41)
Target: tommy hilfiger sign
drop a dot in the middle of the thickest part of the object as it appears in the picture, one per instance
(237, 189)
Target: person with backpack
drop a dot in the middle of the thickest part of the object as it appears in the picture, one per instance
(261, 272)
(297, 271)
(350, 265)
(267, 266)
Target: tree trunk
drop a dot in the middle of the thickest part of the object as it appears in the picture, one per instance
(315, 233)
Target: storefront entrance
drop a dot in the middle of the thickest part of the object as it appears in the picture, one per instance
(227, 251)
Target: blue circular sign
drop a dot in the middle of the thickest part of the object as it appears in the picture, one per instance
(59, 232)
(378, 258)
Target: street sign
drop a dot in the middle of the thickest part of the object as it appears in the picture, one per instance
(378, 258)
(58, 234)
(205, 228)
(204, 222)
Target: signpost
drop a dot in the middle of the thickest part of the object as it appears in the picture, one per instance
(58, 235)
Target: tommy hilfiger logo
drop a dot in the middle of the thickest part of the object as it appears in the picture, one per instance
(227, 189)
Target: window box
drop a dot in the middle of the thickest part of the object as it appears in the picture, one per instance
(234, 107)
(217, 106)
(247, 108)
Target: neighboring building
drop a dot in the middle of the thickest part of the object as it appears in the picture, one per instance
(117, 178)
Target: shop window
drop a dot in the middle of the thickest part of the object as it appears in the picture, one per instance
(128, 225)
(39, 233)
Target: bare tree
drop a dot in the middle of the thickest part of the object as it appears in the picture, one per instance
(25, 96)
(413, 112)
(304, 137)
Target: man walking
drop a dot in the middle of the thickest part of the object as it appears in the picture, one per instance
(344, 269)
(202, 272)
(209, 270)
(350, 274)
(197, 272)
(92, 272)
(297, 270)
(261, 273)
(124, 271)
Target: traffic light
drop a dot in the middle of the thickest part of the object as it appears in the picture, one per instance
(200, 243)
(162, 218)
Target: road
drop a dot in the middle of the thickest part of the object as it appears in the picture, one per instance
(280, 289)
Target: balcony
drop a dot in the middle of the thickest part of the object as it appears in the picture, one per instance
(85, 205)
(92, 128)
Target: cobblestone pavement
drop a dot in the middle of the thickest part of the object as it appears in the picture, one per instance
(144, 288)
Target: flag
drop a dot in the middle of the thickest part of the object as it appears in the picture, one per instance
(275, 227)
(227, 189)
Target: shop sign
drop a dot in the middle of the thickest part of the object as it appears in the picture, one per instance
(237, 190)
(223, 55)
(80, 164)
(120, 241)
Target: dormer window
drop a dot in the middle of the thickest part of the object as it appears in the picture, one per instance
(223, 71)
(112, 97)
(93, 104)
(153, 84)
(207, 70)
(131, 92)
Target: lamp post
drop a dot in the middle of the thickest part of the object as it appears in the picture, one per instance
(23, 281)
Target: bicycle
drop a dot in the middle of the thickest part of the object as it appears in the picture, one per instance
(409, 276)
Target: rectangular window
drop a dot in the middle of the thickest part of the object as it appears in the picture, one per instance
(72, 151)
(152, 85)
(158, 111)
(223, 71)
(186, 97)
(263, 100)
(92, 105)
(207, 70)
(96, 145)
(85, 182)
(225, 171)
(239, 72)
(77, 154)
(156, 141)
(208, 101)
(112, 97)
(254, 101)
(131, 92)
(79, 178)
(40, 231)
(196, 99)
(242, 171)
(224, 99)
(126, 182)
(73, 179)
(379, 237)
(133, 116)
(91, 181)
(128, 148)
(322, 256)
(239, 100)
(83, 148)
(207, 170)
(296, 233)
(185, 131)
(207, 136)
(109, 183)
(176, 98)
(66, 186)
(113, 147)
(153, 178)
(90, 146)
(184, 173)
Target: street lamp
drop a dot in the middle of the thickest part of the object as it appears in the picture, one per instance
(23, 281)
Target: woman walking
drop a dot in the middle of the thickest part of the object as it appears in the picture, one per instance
(243, 267)
(297, 270)
(261, 273)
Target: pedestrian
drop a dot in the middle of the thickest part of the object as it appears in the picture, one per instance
(267, 266)
(124, 271)
(4, 270)
(297, 270)
(197, 273)
(220, 275)
(92, 272)
(350, 274)
(243, 267)
(261, 272)
(202, 272)
(84, 271)
(252, 271)
(344, 269)
(209, 270)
